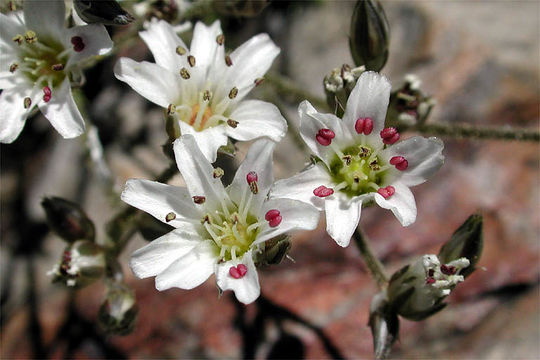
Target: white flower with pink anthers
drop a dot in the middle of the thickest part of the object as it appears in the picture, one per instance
(218, 230)
(39, 57)
(203, 87)
(360, 161)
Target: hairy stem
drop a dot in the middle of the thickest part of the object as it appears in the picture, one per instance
(373, 264)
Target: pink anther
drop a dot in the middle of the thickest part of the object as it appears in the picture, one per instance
(322, 191)
(389, 135)
(251, 177)
(325, 136)
(387, 191)
(273, 217)
(430, 280)
(47, 94)
(238, 271)
(399, 162)
(78, 43)
(448, 270)
(364, 126)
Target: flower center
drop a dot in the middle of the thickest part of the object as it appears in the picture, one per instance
(358, 170)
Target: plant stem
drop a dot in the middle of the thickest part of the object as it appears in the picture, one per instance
(374, 265)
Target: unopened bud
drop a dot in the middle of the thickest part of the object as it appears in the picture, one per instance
(68, 220)
(106, 12)
(384, 325)
(370, 35)
(274, 251)
(409, 105)
(118, 313)
(172, 125)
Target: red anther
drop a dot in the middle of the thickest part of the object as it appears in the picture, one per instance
(448, 270)
(78, 43)
(251, 177)
(364, 126)
(389, 135)
(323, 191)
(47, 94)
(430, 280)
(238, 271)
(387, 191)
(399, 162)
(325, 136)
(273, 217)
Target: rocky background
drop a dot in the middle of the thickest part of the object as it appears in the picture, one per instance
(480, 61)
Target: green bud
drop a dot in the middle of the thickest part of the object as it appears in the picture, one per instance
(274, 250)
(82, 263)
(240, 8)
(370, 35)
(68, 220)
(118, 313)
(384, 325)
(467, 242)
(106, 12)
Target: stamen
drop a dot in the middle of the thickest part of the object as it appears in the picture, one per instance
(228, 61)
(30, 37)
(430, 281)
(232, 123)
(347, 159)
(233, 93)
(199, 200)
(218, 173)
(171, 109)
(78, 43)
(325, 136)
(448, 270)
(19, 39)
(389, 135)
(364, 126)
(184, 73)
(374, 165)
(206, 95)
(364, 152)
(180, 50)
(27, 102)
(47, 94)
(273, 217)
(220, 39)
(170, 217)
(191, 60)
(399, 162)
(322, 191)
(13, 67)
(387, 191)
(252, 179)
(238, 271)
(258, 81)
(58, 67)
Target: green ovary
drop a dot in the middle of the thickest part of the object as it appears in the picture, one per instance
(359, 171)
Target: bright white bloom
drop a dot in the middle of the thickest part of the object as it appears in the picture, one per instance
(359, 161)
(218, 230)
(203, 87)
(39, 57)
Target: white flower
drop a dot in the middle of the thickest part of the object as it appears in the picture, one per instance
(39, 57)
(203, 87)
(218, 230)
(358, 161)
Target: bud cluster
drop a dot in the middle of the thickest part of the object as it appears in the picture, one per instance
(408, 104)
(339, 84)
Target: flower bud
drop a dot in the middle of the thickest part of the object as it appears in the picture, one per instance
(68, 220)
(370, 35)
(106, 12)
(384, 325)
(118, 313)
(466, 242)
(274, 250)
(240, 8)
(339, 84)
(408, 104)
(418, 290)
(82, 263)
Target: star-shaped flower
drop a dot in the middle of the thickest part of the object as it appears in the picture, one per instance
(218, 230)
(203, 87)
(39, 57)
(360, 161)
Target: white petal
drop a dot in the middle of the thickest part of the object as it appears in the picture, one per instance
(159, 254)
(13, 114)
(401, 203)
(190, 270)
(155, 83)
(204, 45)
(45, 17)
(342, 217)
(163, 41)
(247, 288)
(259, 160)
(62, 111)
(9, 27)
(301, 186)
(369, 98)
(209, 140)
(424, 156)
(257, 119)
(198, 173)
(296, 215)
(161, 199)
(95, 38)
(312, 121)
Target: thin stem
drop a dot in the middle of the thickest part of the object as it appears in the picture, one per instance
(374, 265)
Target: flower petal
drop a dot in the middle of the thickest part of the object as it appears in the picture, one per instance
(259, 160)
(62, 111)
(159, 254)
(95, 38)
(300, 187)
(13, 114)
(369, 98)
(162, 41)
(150, 80)
(204, 45)
(401, 203)
(198, 173)
(311, 121)
(257, 119)
(45, 18)
(247, 288)
(424, 156)
(190, 270)
(296, 215)
(209, 140)
(161, 199)
(342, 217)
(9, 27)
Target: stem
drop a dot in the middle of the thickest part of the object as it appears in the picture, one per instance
(374, 265)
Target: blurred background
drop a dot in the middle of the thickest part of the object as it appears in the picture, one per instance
(480, 60)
